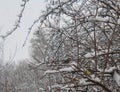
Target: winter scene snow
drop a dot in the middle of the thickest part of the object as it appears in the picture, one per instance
(59, 45)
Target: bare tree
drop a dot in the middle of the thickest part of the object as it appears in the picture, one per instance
(83, 43)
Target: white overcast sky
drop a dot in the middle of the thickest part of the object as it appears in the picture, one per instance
(9, 9)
